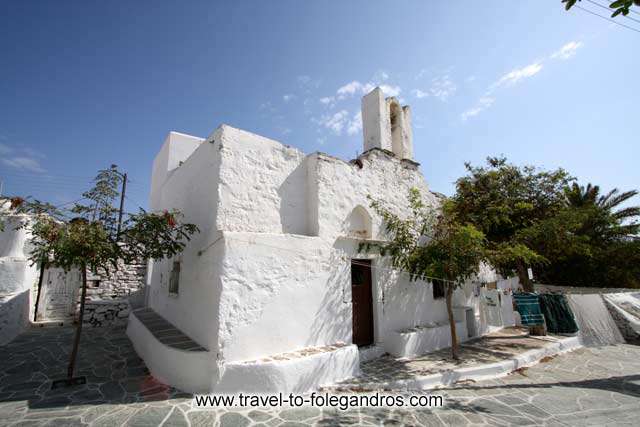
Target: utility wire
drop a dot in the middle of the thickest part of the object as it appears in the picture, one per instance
(134, 202)
(608, 9)
(608, 19)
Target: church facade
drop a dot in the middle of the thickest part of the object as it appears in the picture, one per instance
(273, 294)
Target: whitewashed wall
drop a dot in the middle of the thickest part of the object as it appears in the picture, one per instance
(192, 188)
(274, 274)
(17, 276)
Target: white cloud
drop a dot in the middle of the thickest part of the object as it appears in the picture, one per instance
(266, 106)
(421, 73)
(356, 87)
(355, 124)
(24, 163)
(441, 88)
(567, 51)
(470, 79)
(515, 76)
(288, 97)
(327, 100)
(482, 104)
(419, 94)
(321, 141)
(387, 89)
(349, 88)
(307, 83)
(303, 80)
(335, 122)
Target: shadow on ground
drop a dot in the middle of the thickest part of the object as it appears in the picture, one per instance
(114, 372)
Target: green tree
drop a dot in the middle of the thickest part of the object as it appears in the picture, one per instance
(84, 236)
(432, 244)
(510, 205)
(609, 220)
(618, 7)
(607, 255)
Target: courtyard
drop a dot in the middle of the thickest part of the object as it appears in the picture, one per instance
(589, 386)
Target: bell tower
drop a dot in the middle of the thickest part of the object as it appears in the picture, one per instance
(386, 124)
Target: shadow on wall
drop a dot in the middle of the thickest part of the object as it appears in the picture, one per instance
(14, 312)
(137, 299)
(333, 317)
(408, 304)
(293, 203)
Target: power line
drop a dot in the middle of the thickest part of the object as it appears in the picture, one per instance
(608, 9)
(134, 202)
(608, 19)
(43, 174)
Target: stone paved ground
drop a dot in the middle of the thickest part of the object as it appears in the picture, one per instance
(597, 386)
(494, 347)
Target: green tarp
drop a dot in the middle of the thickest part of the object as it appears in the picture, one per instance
(529, 308)
(557, 314)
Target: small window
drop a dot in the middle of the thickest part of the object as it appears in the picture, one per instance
(174, 278)
(438, 289)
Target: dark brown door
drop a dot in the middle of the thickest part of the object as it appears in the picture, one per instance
(362, 302)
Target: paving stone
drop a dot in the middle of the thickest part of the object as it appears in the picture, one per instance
(64, 422)
(150, 416)
(231, 419)
(176, 419)
(259, 416)
(112, 390)
(299, 414)
(598, 386)
(202, 418)
(113, 418)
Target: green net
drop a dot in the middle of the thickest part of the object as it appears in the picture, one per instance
(557, 314)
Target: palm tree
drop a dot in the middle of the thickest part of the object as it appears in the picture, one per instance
(621, 222)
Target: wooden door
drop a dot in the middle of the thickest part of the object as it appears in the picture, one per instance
(362, 301)
(59, 300)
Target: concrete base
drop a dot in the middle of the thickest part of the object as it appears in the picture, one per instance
(14, 315)
(197, 371)
(298, 375)
(423, 340)
(371, 352)
(479, 372)
(190, 371)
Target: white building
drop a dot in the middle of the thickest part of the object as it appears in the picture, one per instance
(17, 275)
(273, 294)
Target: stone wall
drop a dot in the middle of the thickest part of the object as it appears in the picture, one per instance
(112, 295)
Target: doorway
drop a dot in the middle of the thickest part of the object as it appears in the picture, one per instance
(60, 293)
(362, 302)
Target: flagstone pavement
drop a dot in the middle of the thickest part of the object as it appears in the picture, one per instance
(594, 386)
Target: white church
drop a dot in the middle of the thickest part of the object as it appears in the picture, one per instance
(273, 294)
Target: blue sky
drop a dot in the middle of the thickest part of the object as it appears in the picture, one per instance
(84, 84)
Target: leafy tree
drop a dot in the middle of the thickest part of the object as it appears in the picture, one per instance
(609, 255)
(610, 222)
(430, 244)
(84, 236)
(618, 6)
(510, 205)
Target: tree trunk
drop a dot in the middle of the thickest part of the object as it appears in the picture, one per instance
(523, 275)
(76, 340)
(43, 266)
(452, 323)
